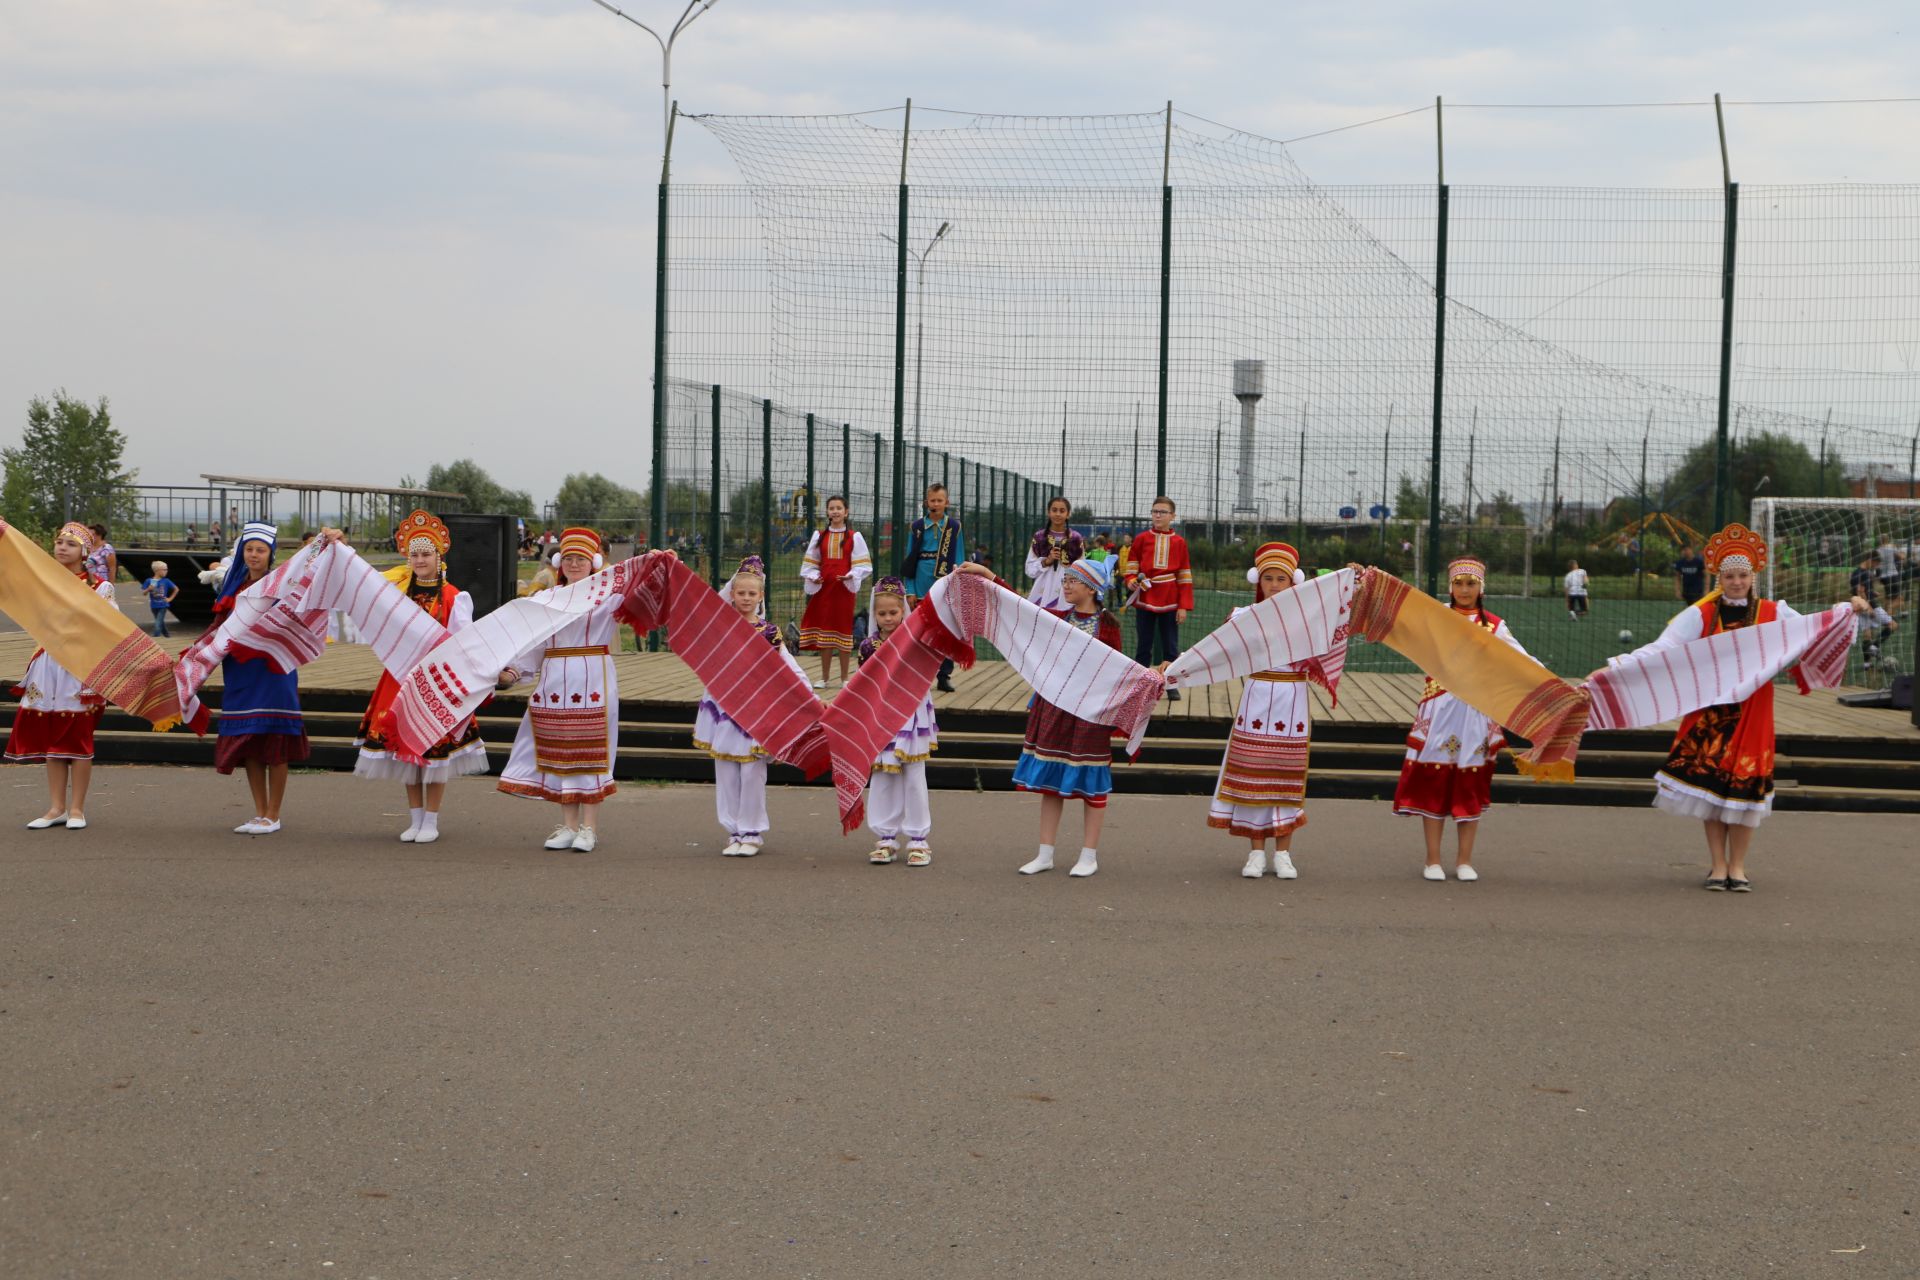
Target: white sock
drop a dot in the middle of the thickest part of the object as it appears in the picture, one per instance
(1043, 861)
(413, 816)
(1088, 864)
(429, 821)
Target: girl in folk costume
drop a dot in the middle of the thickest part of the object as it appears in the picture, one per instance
(424, 539)
(835, 565)
(1451, 748)
(897, 793)
(260, 726)
(570, 735)
(1053, 549)
(1262, 789)
(57, 715)
(1065, 757)
(1720, 768)
(740, 763)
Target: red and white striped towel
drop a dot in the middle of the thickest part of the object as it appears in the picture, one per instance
(283, 618)
(1661, 684)
(1302, 624)
(1066, 666)
(769, 698)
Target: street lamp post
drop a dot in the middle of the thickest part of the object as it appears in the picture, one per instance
(919, 315)
(657, 517)
(693, 10)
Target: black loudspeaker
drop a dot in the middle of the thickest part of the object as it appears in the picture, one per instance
(1903, 697)
(484, 561)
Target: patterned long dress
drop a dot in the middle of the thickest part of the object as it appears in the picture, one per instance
(57, 711)
(1720, 768)
(1262, 788)
(1064, 755)
(461, 752)
(569, 738)
(1451, 749)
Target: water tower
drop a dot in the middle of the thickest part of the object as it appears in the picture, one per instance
(1249, 384)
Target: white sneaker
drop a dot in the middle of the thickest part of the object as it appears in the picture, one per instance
(426, 837)
(818, 684)
(1283, 865)
(562, 838)
(250, 827)
(1256, 865)
(1035, 867)
(1087, 865)
(584, 840)
(410, 835)
(1465, 871)
(749, 847)
(732, 850)
(1435, 872)
(265, 827)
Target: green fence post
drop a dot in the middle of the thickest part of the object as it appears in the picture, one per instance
(811, 514)
(1723, 448)
(846, 462)
(1439, 392)
(657, 521)
(1166, 302)
(900, 346)
(766, 484)
(714, 542)
(893, 534)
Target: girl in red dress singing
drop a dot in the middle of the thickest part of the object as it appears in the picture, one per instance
(836, 564)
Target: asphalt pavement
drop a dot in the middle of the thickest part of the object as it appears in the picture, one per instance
(325, 1053)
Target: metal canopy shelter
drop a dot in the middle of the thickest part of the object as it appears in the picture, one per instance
(381, 506)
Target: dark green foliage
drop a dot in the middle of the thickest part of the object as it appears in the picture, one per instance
(67, 466)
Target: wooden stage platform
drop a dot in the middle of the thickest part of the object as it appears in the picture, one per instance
(1365, 698)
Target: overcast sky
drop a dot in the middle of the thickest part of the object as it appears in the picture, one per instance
(345, 239)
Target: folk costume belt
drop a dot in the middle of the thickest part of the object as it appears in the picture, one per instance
(579, 651)
(1280, 677)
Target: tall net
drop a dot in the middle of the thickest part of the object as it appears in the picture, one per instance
(1582, 343)
(1823, 550)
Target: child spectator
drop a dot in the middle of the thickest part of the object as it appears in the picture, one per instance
(161, 591)
(1576, 591)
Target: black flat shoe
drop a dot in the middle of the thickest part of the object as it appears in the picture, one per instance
(1739, 886)
(1717, 883)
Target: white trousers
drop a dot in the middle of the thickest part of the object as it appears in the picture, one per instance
(897, 803)
(740, 798)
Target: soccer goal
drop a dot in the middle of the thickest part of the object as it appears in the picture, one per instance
(1817, 546)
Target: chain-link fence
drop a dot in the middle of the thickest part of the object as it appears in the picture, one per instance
(1115, 307)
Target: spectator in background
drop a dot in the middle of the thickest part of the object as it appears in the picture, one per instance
(1860, 581)
(1156, 571)
(1576, 591)
(1690, 575)
(1889, 567)
(160, 591)
(193, 535)
(103, 562)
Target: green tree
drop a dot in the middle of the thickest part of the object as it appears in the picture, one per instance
(586, 497)
(1768, 463)
(483, 495)
(67, 465)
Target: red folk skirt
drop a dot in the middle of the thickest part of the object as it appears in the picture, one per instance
(39, 736)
